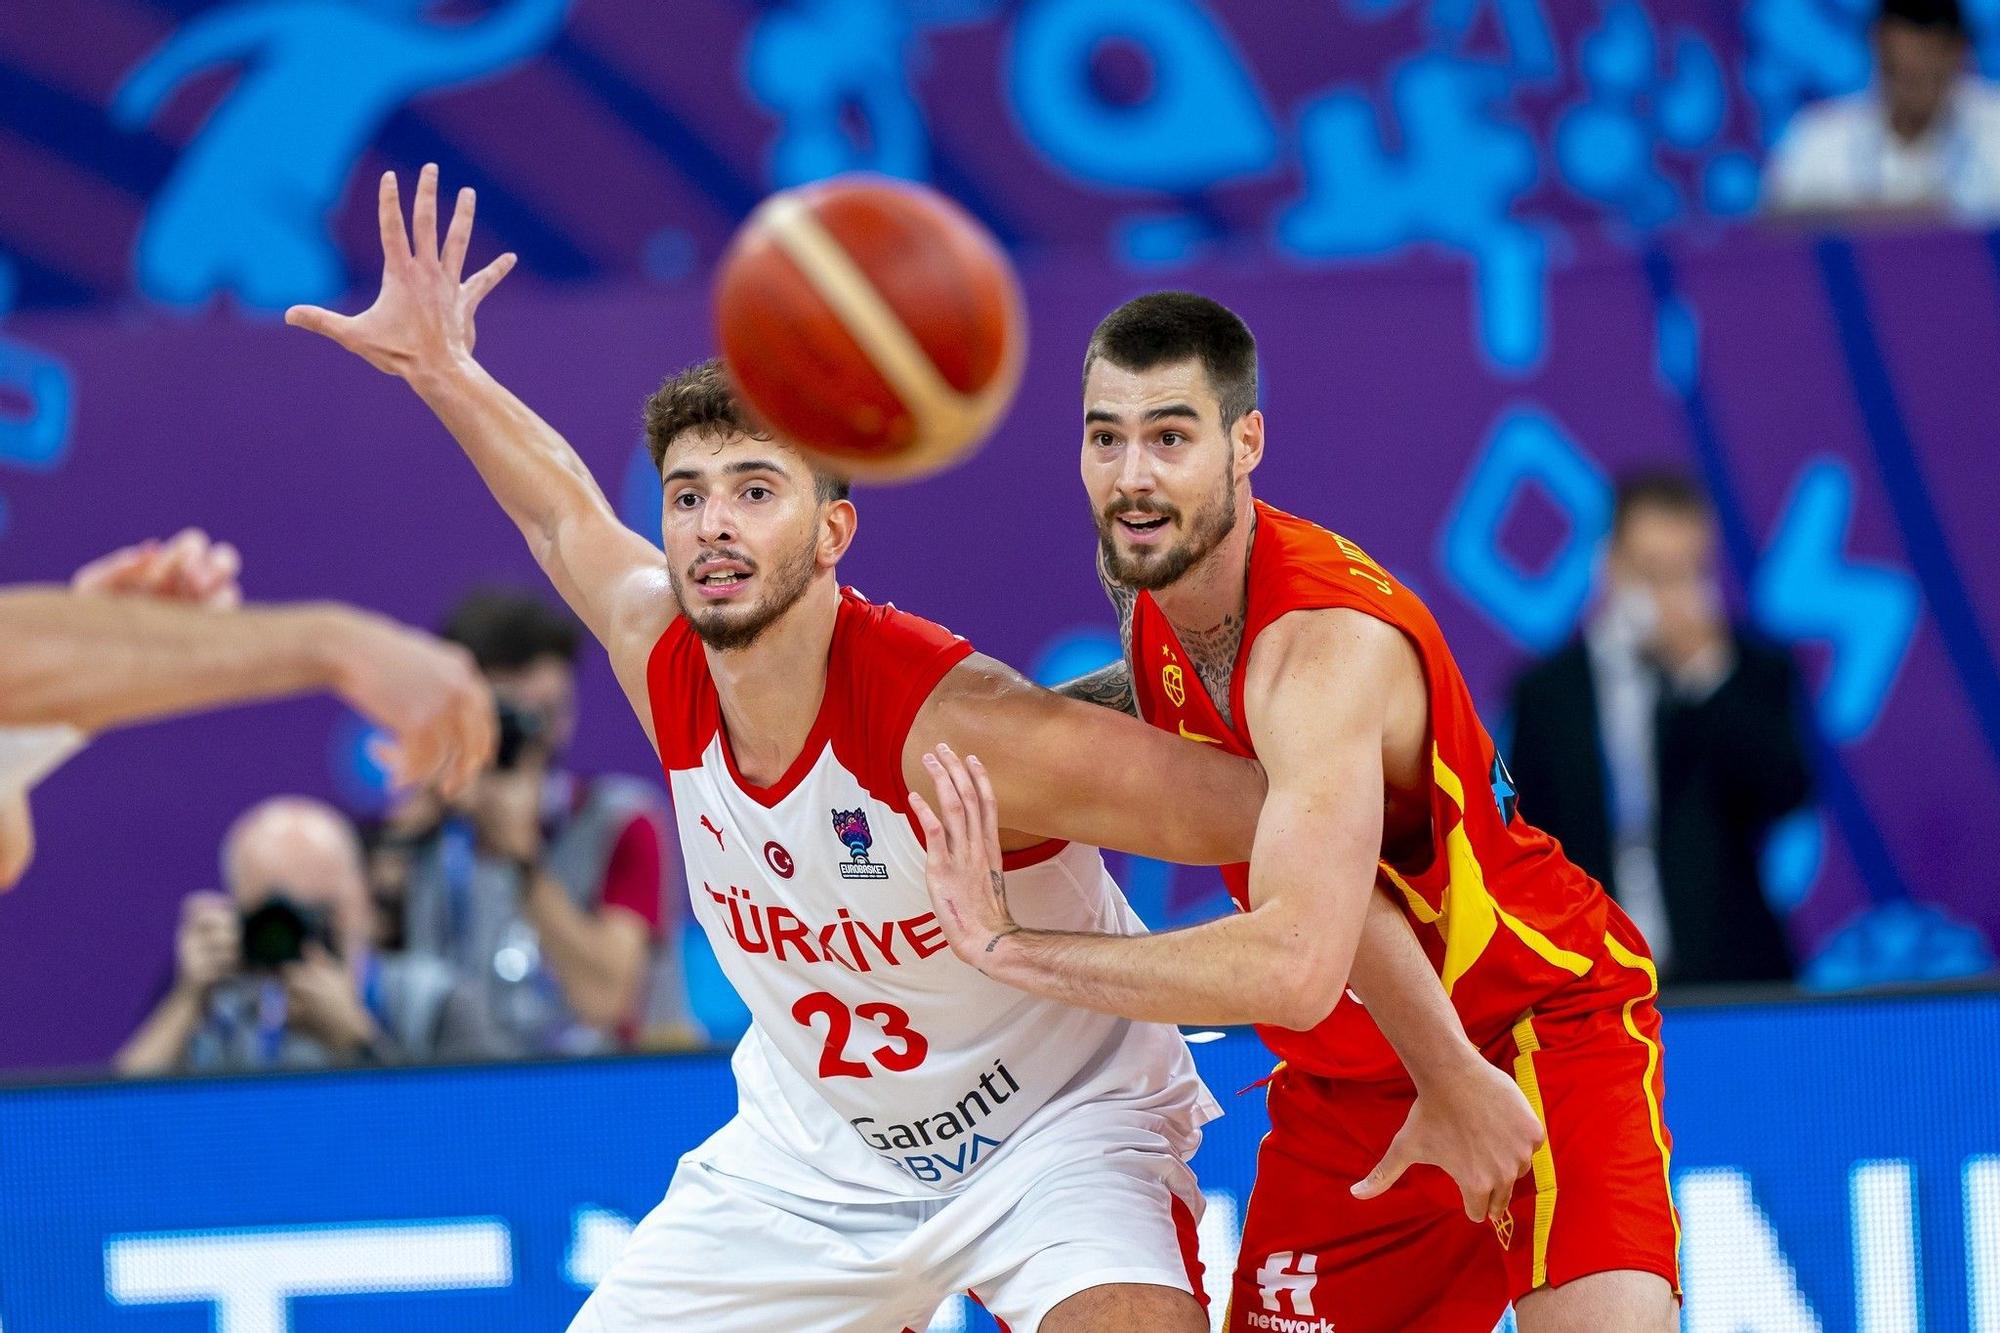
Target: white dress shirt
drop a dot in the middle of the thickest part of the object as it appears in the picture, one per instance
(1841, 154)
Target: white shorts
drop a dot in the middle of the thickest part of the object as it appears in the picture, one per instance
(725, 1254)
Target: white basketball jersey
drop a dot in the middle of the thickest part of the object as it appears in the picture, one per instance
(875, 1055)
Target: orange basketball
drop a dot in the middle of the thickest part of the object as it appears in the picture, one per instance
(870, 322)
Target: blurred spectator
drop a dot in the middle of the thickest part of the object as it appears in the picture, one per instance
(1922, 142)
(1662, 745)
(546, 888)
(278, 972)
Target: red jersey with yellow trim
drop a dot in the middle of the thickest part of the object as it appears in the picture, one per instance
(1505, 917)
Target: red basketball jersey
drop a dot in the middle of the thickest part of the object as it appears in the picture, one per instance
(1504, 916)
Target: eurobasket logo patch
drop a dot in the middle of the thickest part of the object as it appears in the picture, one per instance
(851, 827)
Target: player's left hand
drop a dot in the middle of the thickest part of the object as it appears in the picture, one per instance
(188, 568)
(1478, 1128)
(962, 856)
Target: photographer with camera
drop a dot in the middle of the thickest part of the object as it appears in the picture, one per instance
(545, 888)
(278, 972)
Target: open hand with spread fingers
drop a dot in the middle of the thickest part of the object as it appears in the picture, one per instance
(962, 859)
(422, 319)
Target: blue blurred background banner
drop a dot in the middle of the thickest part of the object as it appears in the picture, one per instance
(1838, 1171)
(1489, 247)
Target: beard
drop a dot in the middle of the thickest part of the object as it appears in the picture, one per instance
(1212, 521)
(729, 628)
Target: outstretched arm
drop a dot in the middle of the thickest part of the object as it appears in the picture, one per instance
(94, 662)
(420, 329)
(1063, 769)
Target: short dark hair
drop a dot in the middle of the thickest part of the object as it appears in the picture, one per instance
(1658, 488)
(1161, 328)
(506, 629)
(700, 398)
(1940, 16)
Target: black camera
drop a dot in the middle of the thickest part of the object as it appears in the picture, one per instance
(279, 930)
(519, 728)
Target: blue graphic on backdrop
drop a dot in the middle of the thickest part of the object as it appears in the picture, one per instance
(1523, 25)
(1200, 122)
(37, 400)
(245, 210)
(1458, 172)
(1609, 146)
(1537, 608)
(1799, 50)
(1808, 588)
(1898, 943)
(641, 497)
(837, 73)
(1793, 854)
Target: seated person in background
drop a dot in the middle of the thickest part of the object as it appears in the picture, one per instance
(1921, 143)
(1661, 745)
(544, 888)
(278, 973)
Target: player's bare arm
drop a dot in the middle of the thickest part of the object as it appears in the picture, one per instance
(95, 662)
(1064, 769)
(421, 330)
(1286, 960)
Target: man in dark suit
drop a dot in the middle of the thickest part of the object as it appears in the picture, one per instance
(1662, 744)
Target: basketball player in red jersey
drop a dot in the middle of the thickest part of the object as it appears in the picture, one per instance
(777, 699)
(1257, 633)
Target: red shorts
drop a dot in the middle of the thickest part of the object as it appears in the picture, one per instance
(1316, 1259)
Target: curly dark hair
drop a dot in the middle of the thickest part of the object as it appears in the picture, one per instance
(700, 398)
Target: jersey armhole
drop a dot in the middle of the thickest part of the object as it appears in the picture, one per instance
(683, 710)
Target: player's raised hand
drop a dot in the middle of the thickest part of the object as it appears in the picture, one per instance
(187, 568)
(1479, 1128)
(962, 861)
(426, 694)
(423, 317)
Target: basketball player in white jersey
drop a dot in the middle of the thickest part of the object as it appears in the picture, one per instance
(906, 1129)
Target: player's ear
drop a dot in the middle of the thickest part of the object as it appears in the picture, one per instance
(1246, 437)
(837, 523)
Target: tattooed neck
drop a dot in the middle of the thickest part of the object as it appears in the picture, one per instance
(1213, 654)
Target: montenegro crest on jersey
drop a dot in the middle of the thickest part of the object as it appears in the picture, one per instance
(851, 827)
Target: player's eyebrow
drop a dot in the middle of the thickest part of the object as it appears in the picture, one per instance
(744, 465)
(1101, 414)
(1172, 410)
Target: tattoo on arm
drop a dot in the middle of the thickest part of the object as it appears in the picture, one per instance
(1110, 687)
(1000, 892)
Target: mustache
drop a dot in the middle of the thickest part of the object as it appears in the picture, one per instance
(718, 557)
(1149, 508)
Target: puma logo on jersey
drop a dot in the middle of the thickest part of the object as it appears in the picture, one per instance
(713, 829)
